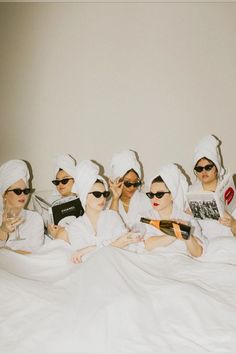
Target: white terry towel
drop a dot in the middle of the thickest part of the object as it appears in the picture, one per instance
(122, 162)
(176, 182)
(87, 172)
(66, 163)
(11, 172)
(209, 147)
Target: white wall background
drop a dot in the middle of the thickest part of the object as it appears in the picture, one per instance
(91, 79)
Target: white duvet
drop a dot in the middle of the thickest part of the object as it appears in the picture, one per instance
(119, 302)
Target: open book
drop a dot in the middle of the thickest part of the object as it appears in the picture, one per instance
(60, 211)
(212, 205)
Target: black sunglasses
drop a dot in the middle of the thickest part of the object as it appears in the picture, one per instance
(135, 184)
(98, 194)
(206, 168)
(19, 191)
(62, 181)
(158, 195)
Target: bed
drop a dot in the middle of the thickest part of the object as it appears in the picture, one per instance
(119, 301)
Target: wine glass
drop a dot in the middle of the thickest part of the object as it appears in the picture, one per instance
(140, 230)
(12, 214)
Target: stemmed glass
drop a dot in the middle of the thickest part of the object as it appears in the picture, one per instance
(140, 230)
(13, 213)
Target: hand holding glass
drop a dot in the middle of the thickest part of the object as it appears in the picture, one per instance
(16, 215)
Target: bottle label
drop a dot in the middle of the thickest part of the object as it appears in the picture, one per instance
(177, 231)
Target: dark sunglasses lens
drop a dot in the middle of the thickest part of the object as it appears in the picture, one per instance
(159, 195)
(129, 184)
(201, 168)
(19, 191)
(106, 194)
(97, 194)
(208, 167)
(198, 169)
(27, 191)
(64, 180)
(55, 182)
(150, 195)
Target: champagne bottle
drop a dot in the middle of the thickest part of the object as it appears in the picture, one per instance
(170, 227)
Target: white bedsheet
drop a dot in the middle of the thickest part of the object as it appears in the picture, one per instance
(119, 302)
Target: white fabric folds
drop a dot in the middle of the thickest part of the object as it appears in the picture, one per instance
(66, 163)
(122, 162)
(11, 172)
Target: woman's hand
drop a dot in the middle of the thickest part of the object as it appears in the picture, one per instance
(227, 220)
(53, 230)
(9, 224)
(116, 187)
(125, 240)
(77, 256)
(184, 222)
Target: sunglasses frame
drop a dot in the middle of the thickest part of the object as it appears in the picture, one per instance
(98, 194)
(56, 182)
(207, 167)
(129, 184)
(19, 191)
(158, 195)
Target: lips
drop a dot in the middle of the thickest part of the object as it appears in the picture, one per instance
(155, 204)
(229, 194)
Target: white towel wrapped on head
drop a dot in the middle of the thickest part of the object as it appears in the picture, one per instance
(66, 163)
(87, 172)
(122, 162)
(11, 172)
(209, 147)
(176, 183)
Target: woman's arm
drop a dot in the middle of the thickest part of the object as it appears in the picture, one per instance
(77, 256)
(193, 246)
(61, 234)
(158, 241)
(116, 188)
(229, 221)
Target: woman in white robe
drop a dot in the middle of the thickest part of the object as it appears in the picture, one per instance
(97, 227)
(64, 178)
(209, 173)
(167, 196)
(23, 230)
(125, 179)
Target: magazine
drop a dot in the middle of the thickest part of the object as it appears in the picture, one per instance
(212, 205)
(60, 211)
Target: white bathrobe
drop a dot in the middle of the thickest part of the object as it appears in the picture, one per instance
(32, 230)
(109, 227)
(139, 204)
(178, 245)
